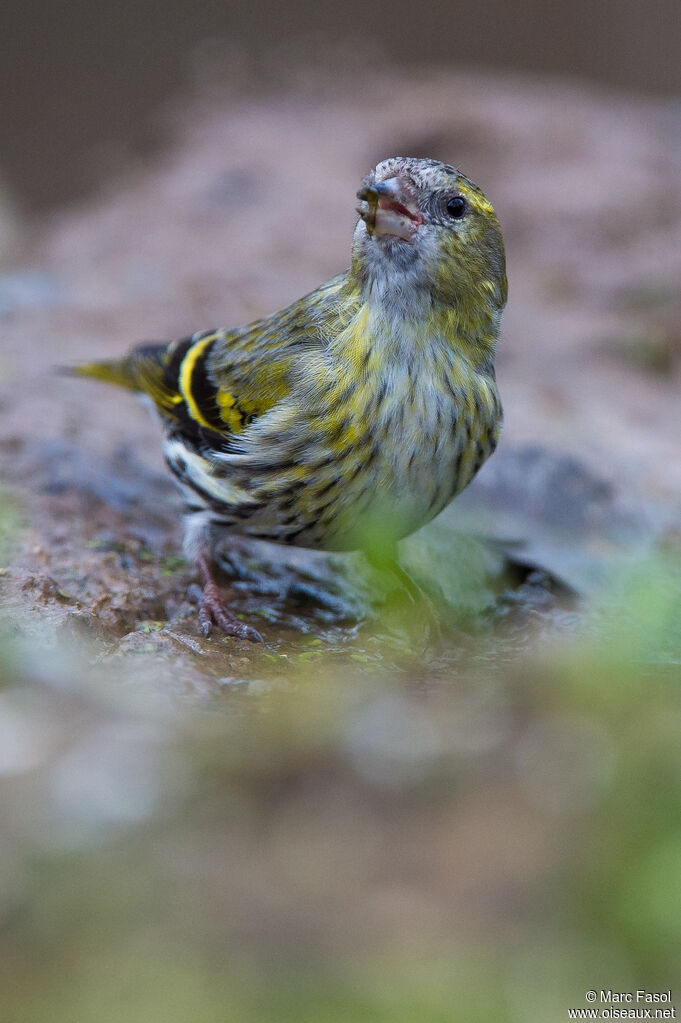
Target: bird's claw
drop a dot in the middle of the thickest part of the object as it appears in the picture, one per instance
(212, 610)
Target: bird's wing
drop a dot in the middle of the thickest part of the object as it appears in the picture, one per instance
(213, 384)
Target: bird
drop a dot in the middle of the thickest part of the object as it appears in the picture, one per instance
(352, 417)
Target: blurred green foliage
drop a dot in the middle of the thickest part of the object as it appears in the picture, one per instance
(475, 838)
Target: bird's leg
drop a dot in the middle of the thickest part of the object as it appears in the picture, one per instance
(212, 608)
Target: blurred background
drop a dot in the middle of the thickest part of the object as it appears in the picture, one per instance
(83, 82)
(360, 821)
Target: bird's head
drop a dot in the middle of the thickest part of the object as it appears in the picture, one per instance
(426, 228)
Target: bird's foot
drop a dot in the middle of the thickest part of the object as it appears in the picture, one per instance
(212, 610)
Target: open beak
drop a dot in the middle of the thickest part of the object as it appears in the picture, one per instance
(386, 209)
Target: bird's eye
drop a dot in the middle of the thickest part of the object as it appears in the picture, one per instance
(456, 207)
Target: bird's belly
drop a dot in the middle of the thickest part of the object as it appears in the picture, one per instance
(404, 482)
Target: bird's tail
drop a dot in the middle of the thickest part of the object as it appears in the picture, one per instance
(150, 369)
(120, 372)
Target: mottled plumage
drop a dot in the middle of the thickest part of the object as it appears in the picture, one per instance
(352, 417)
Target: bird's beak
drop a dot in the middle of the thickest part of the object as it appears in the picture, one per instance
(387, 209)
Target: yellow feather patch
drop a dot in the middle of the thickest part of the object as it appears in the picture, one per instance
(185, 379)
(229, 412)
